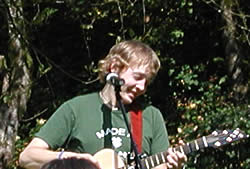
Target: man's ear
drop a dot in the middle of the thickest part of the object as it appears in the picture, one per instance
(114, 67)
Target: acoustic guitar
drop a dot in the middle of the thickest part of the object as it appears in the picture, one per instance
(108, 159)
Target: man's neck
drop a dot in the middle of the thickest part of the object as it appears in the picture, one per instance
(108, 97)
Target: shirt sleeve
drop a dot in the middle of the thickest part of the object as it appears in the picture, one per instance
(160, 140)
(58, 128)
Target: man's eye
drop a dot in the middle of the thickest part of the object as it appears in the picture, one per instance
(138, 77)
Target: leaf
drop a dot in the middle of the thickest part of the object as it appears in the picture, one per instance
(223, 79)
(44, 15)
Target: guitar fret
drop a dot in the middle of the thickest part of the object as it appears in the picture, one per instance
(152, 161)
(192, 146)
(204, 141)
(182, 151)
(157, 160)
(196, 145)
(160, 158)
(147, 165)
(163, 157)
(187, 149)
(200, 143)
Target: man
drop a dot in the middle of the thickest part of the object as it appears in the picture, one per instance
(86, 124)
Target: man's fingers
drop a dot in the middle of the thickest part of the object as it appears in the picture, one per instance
(172, 158)
(175, 159)
(181, 142)
(181, 156)
(169, 166)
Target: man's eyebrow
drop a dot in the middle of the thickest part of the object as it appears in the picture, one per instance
(140, 73)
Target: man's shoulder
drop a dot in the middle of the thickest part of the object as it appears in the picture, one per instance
(80, 98)
(152, 112)
(151, 108)
(85, 100)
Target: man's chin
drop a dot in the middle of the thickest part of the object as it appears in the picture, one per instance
(127, 100)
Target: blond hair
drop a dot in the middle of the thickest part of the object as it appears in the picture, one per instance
(130, 54)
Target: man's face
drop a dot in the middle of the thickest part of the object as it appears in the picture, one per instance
(135, 83)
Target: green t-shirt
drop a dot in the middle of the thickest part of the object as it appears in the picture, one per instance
(85, 124)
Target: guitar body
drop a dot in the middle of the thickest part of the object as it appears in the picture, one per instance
(109, 159)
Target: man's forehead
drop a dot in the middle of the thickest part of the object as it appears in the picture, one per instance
(141, 71)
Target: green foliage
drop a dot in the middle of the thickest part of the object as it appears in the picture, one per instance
(44, 16)
(22, 139)
(208, 108)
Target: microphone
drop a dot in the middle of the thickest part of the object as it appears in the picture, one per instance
(113, 79)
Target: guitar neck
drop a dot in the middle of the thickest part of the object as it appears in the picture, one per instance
(216, 139)
(161, 158)
(108, 159)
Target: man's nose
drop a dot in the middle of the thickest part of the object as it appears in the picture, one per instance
(141, 85)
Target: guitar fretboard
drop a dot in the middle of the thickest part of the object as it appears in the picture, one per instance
(160, 158)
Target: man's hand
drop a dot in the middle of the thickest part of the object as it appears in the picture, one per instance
(175, 160)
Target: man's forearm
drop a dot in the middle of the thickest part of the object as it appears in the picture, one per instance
(34, 158)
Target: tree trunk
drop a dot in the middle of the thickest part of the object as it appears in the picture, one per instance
(16, 86)
(233, 52)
